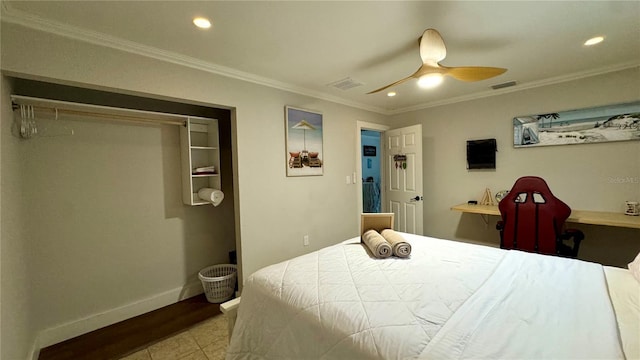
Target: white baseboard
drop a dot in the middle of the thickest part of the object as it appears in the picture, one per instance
(78, 327)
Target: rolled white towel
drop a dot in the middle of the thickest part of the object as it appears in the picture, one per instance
(213, 196)
(400, 247)
(377, 244)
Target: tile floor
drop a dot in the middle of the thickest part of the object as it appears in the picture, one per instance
(207, 340)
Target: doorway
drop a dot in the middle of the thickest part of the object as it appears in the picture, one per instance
(371, 161)
(380, 129)
(400, 153)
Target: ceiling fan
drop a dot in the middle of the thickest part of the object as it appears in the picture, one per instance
(431, 73)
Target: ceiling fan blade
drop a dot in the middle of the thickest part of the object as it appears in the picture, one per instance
(390, 85)
(432, 49)
(472, 73)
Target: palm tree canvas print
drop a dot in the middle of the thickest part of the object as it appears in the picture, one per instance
(617, 122)
(303, 142)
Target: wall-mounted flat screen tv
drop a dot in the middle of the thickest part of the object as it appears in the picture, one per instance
(481, 154)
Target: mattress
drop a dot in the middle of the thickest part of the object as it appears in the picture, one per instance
(448, 300)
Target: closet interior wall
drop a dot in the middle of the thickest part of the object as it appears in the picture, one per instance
(106, 226)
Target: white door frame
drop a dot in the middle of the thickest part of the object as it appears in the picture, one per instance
(363, 125)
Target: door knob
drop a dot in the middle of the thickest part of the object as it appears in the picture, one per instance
(417, 198)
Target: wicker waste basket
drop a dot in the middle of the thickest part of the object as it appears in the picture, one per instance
(219, 282)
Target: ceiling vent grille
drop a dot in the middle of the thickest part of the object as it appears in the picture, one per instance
(503, 85)
(345, 84)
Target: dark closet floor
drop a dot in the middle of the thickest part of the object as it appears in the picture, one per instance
(125, 337)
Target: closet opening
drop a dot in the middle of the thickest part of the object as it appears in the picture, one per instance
(104, 215)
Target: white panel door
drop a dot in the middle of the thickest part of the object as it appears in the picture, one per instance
(403, 168)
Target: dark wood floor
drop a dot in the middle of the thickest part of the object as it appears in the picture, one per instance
(127, 336)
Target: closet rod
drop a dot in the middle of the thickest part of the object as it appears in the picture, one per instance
(99, 111)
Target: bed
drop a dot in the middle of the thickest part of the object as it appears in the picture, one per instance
(449, 300)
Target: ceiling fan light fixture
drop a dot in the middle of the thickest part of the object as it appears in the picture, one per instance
(594, 40)
(391, 94)
(202, 23)
(430, 81)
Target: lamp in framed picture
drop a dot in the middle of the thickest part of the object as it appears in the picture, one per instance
(304, 147)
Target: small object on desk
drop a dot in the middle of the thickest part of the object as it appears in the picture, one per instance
(472, 202)
(501, 194)
(487, 199)
(632, 208)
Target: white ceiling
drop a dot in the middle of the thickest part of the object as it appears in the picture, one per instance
(305, 45)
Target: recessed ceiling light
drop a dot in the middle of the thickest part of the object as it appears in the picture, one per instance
(430, 80)
(594, 40)
(202, 23)
(391, 93)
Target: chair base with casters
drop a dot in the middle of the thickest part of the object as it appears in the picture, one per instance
(533, 220)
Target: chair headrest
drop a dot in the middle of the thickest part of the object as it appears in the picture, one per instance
(530, 184)
(533, 186)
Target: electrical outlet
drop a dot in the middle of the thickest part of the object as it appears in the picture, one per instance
(305, 240)
(348, 180)
(354, 177)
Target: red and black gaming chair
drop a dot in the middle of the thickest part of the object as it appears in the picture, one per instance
(533, 219)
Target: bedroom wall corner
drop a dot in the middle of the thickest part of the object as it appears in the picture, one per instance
(579, 174)
(5, 88)
(236, 197)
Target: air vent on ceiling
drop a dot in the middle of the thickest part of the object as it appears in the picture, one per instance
(503, 85)
(345, 84)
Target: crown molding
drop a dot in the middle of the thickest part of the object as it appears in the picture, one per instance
(18, 17)
(519, 87)
(14, 16)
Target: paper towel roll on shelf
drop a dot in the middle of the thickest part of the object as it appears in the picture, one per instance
(213, 196)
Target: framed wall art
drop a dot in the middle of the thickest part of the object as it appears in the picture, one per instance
(303, 142)
(619, 122)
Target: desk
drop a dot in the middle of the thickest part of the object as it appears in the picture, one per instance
(577, 216)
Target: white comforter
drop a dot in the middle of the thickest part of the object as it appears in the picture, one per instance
(449, 300)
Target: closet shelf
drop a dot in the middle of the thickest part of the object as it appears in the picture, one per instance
(200, 149)
(195, 200)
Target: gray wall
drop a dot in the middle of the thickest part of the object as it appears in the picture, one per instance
(581, 175)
